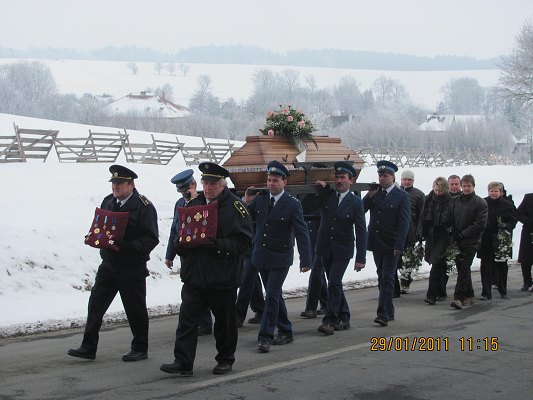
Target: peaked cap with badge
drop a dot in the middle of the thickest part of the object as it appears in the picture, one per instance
(212, 172)
(342, 167)
(274, 167)
(183, 179)
(120, 174)
(387, 167)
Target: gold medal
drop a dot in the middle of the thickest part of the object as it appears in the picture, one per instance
(197, 216)
(202, 235)
(181, 239)
(97, 242)
(108, 233)
(97, 230)
(188, 238)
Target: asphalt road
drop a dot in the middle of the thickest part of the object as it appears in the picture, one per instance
(484, 351)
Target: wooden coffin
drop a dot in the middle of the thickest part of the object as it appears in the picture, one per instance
(247, 165)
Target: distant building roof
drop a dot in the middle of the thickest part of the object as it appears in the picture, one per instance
(149, 105)
(442, 123)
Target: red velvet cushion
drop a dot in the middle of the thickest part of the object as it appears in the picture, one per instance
(198, 224)
(107, 226)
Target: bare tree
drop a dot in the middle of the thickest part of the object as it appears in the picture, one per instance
(158, 66)
(134, 68)
(516, 79)
(171, 68)
(290, 81)
(185, 69)
(463, 96)
(311, 83)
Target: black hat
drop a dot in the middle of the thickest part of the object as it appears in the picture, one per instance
(342, 167)
(386, 167)
(276, 168)
(183, 179)
(212, 172)
(121, 174)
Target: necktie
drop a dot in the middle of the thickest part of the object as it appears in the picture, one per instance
(338, 198)
(383, 194)
(117, 205)
(271, 205)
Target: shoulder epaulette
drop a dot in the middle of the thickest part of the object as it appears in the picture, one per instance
(145, 200)
(240, 208)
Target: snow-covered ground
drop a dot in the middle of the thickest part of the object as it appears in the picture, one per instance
(227, 80)
(46, 209)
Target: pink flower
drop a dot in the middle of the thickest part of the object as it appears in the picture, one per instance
(286, 111)
(270, 132)
(290, 118)
(270, 114)
(301, 123)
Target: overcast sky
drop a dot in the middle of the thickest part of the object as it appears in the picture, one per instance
(477, 28)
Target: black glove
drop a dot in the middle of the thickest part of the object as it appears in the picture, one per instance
(457, 235)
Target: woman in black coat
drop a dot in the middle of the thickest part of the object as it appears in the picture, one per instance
(502, 219)
(525, 253)
(437, 238)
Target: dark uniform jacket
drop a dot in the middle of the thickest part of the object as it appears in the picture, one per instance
(500, 209)
(434, 231)
(416, 198)
(336, 235)
(275, 233)
(140, 239)
(467, 215)
(219, 265)
(389, 221)
(525, 216)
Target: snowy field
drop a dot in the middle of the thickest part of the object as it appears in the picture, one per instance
(46, 209)
(115, 78)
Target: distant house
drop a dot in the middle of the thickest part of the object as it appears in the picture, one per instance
(443, 123)
(147, 105)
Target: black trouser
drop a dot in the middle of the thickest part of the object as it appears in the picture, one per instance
(317, 289)
(437, 282)
(489, 268)
(194, 301)
(463, 286)
(250, 292)
(526, 274)
(133, 295)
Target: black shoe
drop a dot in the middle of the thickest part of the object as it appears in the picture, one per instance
(175, 368)
(256, 319)
(133, 355)
(80, 352)
(308, 314)
(321, 311)
(222, 368)
(485, 298)
(327, 329)
(525, 288)
(503, 296)
(381, 320)
(430, 301)
(205, 330)
(282, 338)
(396, 295)
(342, 325)
(263, 346)
(240, 324)
(441, 298)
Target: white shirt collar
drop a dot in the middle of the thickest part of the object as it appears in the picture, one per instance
(276, 197)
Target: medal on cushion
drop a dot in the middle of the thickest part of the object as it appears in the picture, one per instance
(113, 221)
(96, 220)
(105, 222)
(197, 217)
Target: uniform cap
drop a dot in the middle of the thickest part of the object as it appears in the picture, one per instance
(120, 173)
(387, 167)
(183, 179)
(342, 167)
(212, 172)
(274, 167)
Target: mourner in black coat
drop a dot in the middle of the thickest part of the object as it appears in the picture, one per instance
(123, 271)
(502, 220)
(525, 252)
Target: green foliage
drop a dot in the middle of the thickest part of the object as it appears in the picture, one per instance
(290, 124)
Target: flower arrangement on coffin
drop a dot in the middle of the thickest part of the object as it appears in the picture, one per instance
(451, 253)
(290, 124)
(412, 259)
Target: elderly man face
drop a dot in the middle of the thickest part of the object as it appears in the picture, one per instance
(213, 189)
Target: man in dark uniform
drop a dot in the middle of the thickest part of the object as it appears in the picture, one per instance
(211, 274)
(279, 218)
(123, 271)
(525, 252)
(186, 186)
(390, 217)
(341, 211)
